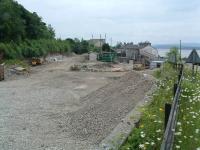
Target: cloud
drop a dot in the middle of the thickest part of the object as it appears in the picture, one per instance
(123, 20)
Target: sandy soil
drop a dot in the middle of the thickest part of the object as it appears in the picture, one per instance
(54, 108)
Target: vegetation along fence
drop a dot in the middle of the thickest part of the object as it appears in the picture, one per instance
(171, 113)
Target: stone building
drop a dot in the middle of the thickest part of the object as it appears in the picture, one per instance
(97, 42)
(140, 53)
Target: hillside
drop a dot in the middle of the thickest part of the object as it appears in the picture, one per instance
(17, 23)
(23, 34)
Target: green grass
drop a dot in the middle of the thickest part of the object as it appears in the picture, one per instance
(150, 133)
(187, 136)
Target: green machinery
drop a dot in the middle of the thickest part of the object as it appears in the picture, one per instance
(107, 56)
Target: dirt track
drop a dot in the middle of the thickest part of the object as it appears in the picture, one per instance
(58, 109)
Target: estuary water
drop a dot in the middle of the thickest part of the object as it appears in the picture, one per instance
(184, 52)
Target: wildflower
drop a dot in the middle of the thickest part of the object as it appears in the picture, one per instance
(141, 126)
(178, 123)
(194, 116)
(141, 146)
(162, 110)
(158, 139)
(198, 148)
(158, 130)
(142, 134)
(178, 147)
(152, 143)
(178, 133)
(197, 131)
(147, 143)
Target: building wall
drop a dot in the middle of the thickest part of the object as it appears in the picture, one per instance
(97, 42)
(149, 52)
(132, 54)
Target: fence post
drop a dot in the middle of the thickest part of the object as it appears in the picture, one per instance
(179, 77)
(175, 88)
(193, 70)
(167, 113)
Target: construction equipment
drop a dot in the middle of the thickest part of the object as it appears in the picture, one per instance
(36, 61)
(1, 72)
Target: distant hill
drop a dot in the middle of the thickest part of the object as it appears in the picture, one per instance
(187, 46)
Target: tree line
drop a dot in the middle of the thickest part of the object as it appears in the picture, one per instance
(23, 34)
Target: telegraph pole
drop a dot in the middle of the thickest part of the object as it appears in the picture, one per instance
(111, 42)
(180, 50)
(100, 44)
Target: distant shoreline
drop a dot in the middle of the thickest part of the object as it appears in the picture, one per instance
(184, 53)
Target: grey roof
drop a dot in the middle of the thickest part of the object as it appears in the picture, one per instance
(149, 51)
(130, 46)
(193, 57)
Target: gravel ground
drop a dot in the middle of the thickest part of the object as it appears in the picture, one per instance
(57, 109)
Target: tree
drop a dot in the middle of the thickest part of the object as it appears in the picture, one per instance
(173, 55)
(17, 23)
(106, 47)
(119, 45)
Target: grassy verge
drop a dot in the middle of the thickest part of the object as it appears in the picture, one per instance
(150, 132)
(187, 135)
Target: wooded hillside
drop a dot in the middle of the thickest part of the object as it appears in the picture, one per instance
(17, 23)
(23, 34)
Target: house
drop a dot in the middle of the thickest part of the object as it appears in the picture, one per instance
(132, 51)
(97, 42)
(140, 53)
(148, 54)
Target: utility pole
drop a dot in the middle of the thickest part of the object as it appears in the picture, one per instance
(100, 44)
(180, 50)
(111, 56)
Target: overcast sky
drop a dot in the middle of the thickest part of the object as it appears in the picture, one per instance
(159, 21)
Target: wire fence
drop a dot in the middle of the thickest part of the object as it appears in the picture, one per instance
(171, 114)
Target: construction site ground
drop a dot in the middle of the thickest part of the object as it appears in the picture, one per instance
(54, 108)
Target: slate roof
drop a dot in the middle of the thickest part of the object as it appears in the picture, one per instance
(193, 57)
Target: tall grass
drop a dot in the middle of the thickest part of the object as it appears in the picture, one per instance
(150, 132)
(187, 135)
(33, 48)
